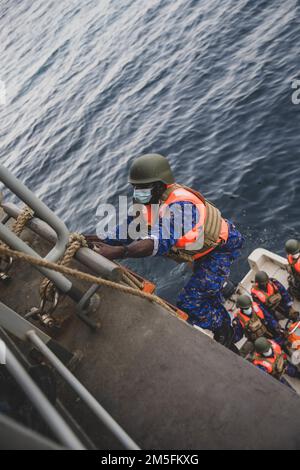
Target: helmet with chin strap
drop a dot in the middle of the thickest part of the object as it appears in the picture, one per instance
(262, 345)
(244, 302)
(262, 278)
(292, 247)
(151, 168)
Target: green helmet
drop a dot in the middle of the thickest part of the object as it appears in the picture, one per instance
(244, 302)
(261, 277)
(292, 247)
(151, 168)
(262, 345)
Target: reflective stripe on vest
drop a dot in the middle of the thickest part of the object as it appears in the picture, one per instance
(264, 296)
(295, 264)
(197, 242)
(269, 363)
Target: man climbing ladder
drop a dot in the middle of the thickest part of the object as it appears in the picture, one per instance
(210, 242)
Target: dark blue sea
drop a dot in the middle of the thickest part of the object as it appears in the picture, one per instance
(91, 84)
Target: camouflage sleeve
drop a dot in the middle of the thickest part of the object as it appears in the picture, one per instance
(271, 322)
(287, 299)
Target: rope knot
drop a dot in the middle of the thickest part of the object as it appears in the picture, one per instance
(76, 241)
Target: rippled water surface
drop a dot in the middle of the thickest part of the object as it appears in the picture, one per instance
(92, 84)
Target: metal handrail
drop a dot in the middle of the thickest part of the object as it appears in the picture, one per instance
(15, 436)
(22, 329)
(45, 408)
(63, 284)
(18, 326)
(19, 189)
(39, 208)
(97, 263)
(83, 393)
(55, 422)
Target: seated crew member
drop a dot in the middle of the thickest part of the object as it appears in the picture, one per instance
(292, 248)
(270, 358)
(293, 337)
(212, 244)
(250, 321)
(272, 296)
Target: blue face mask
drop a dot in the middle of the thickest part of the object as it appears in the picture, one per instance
(142, 196)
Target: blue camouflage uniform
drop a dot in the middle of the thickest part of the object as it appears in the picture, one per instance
(285, 304)
(202, 297)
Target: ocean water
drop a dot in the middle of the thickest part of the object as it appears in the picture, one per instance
(92, 84)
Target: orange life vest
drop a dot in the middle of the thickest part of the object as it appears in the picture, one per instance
(294, 264)
(253, 326)
(271, 298)
(196, 242)
(294, 338)
(274, 365)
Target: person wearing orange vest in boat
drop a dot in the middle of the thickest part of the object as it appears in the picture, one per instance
(270, 358)
(293, 338)
(272, 296)
(292, 248)
(183, 225)
(251, 322)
